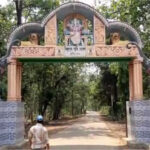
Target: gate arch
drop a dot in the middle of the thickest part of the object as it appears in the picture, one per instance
(82, 44)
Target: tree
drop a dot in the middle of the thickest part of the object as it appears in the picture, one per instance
(19, 9)
(5, 26)
(27, 10)
(135, 13)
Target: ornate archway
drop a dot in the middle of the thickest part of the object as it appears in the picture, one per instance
(84, 39)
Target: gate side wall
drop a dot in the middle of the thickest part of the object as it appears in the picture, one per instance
(138, 121)
(11, 123)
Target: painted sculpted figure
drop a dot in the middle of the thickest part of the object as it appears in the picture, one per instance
(115, 39)
(33, 40)
(75, 27)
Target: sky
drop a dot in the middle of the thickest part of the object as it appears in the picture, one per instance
(3, 2)
(90, 2)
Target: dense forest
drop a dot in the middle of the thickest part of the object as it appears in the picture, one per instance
(56, 90)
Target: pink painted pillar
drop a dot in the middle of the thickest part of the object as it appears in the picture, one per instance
(131, 85)
(135, 80)
(18, 81)
(12, 69)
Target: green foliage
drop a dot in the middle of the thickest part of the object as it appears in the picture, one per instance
(59, 88)
(135, 13)
(105, 110)
(111, 89)
(61, 37)
(5, 26)
(35, 10)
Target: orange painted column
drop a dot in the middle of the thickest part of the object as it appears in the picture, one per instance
(12, 90)
(18, 80)
(131, 85)
(137, 80)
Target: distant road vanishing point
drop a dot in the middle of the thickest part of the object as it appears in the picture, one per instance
(89, 133)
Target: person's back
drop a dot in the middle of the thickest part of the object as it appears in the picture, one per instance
(38, 136)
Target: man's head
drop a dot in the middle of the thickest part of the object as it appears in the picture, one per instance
(39, 119)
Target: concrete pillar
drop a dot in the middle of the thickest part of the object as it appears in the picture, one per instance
(131, 85)
(137, 120)
(13, 131)
(12, 86)
(19, 80)
(137, 80)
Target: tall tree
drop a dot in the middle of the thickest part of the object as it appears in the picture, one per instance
(19, 9)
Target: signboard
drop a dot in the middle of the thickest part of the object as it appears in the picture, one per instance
(75, 51)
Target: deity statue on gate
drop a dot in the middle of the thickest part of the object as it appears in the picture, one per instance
(74, 30)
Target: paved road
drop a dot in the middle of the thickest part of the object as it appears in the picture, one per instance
(90, 133)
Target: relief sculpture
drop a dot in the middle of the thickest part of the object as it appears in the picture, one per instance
(32, 51)
(75, 29)
(33, 40)
(99, 31)
(115, 39)
(50, 32)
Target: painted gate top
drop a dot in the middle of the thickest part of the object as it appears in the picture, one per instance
(74, 30)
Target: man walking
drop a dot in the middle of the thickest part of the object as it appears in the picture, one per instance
(38, 136)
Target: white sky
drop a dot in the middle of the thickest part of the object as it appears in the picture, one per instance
(90, 2)
(3, 2)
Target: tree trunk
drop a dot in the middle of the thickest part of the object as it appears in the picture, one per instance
(72, 104)
(57, 109)
(18, 4)
(115, 96)
(44, 109)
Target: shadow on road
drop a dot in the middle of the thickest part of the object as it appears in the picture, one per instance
(87, 147)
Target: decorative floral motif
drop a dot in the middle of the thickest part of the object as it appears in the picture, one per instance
(115, 51)
(96, 51)
(50, 32)
(99, 31)
(35, 51)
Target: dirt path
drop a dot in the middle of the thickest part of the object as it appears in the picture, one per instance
(90, 133)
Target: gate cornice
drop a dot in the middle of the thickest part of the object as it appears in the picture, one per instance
(97, 51)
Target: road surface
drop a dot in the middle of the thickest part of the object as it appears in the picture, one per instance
(89, 133)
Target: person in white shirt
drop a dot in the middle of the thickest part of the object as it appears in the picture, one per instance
(38, 136)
